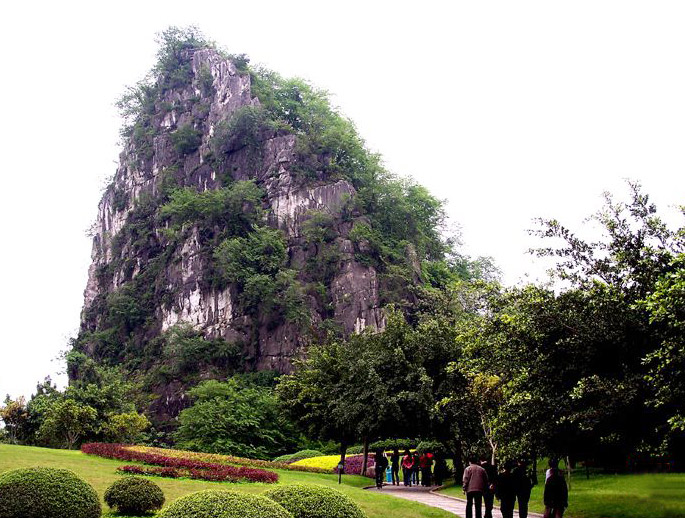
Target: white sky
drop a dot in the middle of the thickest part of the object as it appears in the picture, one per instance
(509, 110)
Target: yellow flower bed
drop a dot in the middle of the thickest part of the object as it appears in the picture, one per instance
(327, 462)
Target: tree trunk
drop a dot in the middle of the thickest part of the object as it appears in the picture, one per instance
(568, 471)
(366, 455)
(458, 464)
(535, 467)
(343, 451)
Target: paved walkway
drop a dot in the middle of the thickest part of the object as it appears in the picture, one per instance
(429, 496)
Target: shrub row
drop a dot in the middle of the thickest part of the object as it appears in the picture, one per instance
(353, 463)
(225, 459)
(299, 455)
(218, 474)
(189, 467)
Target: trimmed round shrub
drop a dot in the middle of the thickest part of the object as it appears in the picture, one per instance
(134, 495)
(46, 493)
(313, 501)
(217, 503)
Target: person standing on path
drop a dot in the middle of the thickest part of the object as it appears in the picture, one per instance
(475, 482)
(440, 472)
(407, 468)
(523, 487)
(381, 462)
(489, 494)
(556, 492)
(505, 490)
(416, 478)
(395, 467)
(425, 463)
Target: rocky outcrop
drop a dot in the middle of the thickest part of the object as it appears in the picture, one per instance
(121, 251)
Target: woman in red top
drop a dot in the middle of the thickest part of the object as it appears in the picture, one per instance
(407, 467)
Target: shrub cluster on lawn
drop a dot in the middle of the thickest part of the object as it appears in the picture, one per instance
(134, 496)
(215, 503)
(180, 467)
(314, 501)
(46, 493)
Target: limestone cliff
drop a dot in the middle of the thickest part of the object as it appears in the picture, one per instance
(200, 128)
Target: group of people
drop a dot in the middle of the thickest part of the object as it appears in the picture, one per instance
(416, 468)
(482, 482)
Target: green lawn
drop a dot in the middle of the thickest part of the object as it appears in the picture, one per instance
(617, 496)
(102, 472)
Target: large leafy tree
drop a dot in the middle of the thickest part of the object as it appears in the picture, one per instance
(368, 386)
(666, 363)
(236, 417)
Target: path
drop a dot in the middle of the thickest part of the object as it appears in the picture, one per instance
(425, 495)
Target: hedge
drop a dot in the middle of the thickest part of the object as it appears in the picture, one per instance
(184, 467)
(313, 501)
(134, 496)
(46, 493)
(214, 503)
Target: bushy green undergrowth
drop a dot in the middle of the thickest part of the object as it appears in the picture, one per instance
(134, 496)
(313, 501)
(46, 493)
(299, 455)
(223, 504)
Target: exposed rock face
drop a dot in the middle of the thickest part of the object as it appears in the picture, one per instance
(117, 258)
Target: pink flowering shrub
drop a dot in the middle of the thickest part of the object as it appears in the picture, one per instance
(178, 466)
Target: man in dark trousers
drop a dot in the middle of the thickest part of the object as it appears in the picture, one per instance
(381, 462)
(556, 492)
(523, 487)
(475, 482)
(395, 467)
(489, 494)
(506, 491)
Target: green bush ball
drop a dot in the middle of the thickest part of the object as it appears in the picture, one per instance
(216, 503)
(46, 493)
(134, 496)
(312, 501)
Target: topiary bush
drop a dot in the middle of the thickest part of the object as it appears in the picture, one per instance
(216, 503)
(312, 501)
(134, 496)
(46, 493)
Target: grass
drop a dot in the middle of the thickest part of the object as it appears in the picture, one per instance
(658, 495)
(102, 472)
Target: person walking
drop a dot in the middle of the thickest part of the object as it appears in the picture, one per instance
(395, 467)
(489, 494)
(407, 468)
(416, 468)
(556, 492)
(425, 463)
(523, 487)
(505, 490)
(440, 470)
(381, 463)
(475, 481)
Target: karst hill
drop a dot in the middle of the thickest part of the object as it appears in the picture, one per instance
(246, 220)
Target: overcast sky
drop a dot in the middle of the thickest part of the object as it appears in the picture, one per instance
(508, 110)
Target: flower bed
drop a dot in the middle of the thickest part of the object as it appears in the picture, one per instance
(178, 466)
(353, 463)
(226, 459)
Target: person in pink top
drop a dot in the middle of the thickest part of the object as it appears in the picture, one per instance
(407, 467)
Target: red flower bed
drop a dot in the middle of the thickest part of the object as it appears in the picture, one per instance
(175, 466)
